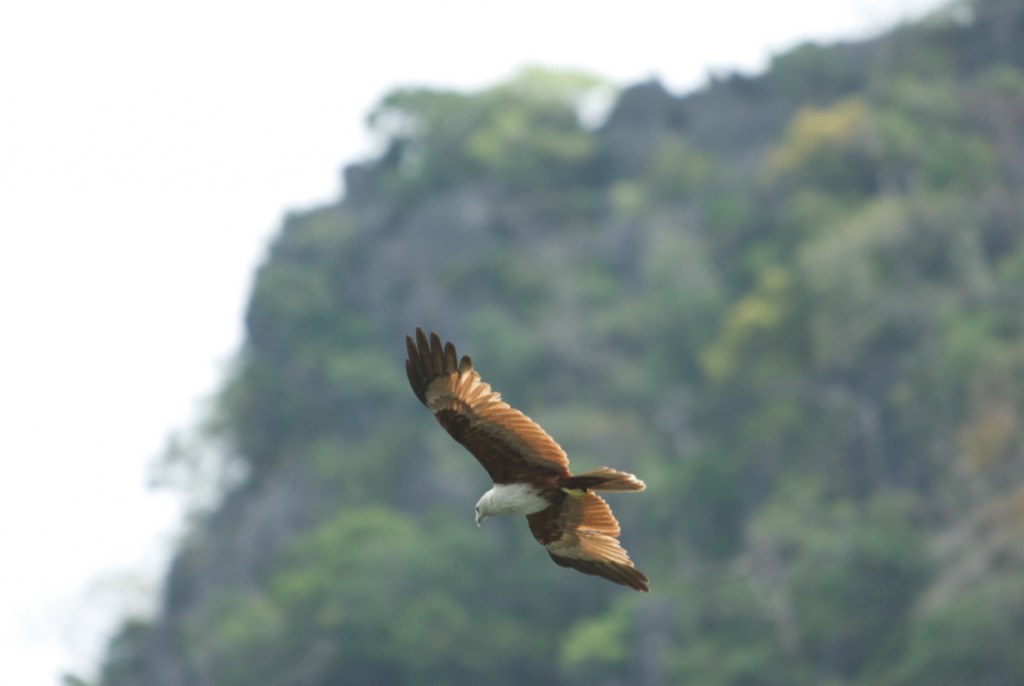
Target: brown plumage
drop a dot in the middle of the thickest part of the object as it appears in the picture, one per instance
(529, 469)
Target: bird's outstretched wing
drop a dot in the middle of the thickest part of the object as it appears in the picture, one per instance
(509, 445)
(582, 533)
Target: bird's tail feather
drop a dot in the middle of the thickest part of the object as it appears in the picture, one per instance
(604, 479)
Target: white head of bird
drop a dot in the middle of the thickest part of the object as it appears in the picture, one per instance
(510, 499)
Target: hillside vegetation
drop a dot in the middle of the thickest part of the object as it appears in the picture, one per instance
(792, 303)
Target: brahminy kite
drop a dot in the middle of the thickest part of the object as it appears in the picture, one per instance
(529, 469)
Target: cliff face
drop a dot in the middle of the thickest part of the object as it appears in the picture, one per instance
(789, 302)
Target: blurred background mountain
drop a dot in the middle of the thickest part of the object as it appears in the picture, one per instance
(792, 303)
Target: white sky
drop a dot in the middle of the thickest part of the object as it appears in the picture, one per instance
(147, 152)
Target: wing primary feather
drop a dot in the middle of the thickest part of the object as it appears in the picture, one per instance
(411, 349)
(421, 355)
(414, 370)
(451, 364)
(436, 352)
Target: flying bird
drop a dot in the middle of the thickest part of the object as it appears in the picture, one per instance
(529, 469)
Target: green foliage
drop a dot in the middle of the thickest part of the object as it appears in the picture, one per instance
(712, 508)
(595, 644)
(831, 148)
(526, 133)
(677, 169)
(925, 137)
(848, 572)
(814, 72)
(534, 129)
(977, 634)
(124, 662)
(750, 327)
(373, 592)
(725, 636)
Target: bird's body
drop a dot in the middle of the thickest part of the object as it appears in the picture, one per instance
(529, 469)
